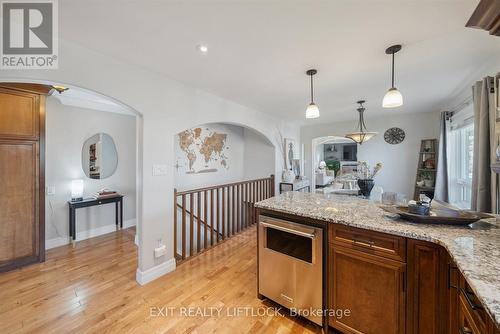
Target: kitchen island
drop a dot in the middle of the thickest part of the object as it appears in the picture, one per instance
(440, 278)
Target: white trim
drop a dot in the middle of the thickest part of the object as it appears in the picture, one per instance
(56, 242)
(61, 241)
(144, 277)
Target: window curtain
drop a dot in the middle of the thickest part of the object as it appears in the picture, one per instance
(483, 180)
(441, 191)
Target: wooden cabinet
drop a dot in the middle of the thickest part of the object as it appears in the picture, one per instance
(452, 296)
(22, 121)
(367, 275)
(427, 288)
(370, 287)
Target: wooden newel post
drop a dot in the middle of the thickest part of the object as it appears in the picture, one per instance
(175, 223)
(273, 185)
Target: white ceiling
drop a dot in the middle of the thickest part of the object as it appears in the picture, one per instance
(259, 50)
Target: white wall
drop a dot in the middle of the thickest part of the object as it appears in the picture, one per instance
(400, 161)
(249, 155)
(67, 128)
(258, 159)
(167, 107)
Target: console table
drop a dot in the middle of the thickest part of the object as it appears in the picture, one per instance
(118, 200)
(297, 185)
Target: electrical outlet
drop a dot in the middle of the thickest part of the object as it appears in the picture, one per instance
(51, 190)
(160, 251)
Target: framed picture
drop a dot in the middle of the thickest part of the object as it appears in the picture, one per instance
(291, 152)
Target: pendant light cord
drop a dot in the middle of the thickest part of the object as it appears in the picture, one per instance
(362, 125)
(393, 68)
(312, 99)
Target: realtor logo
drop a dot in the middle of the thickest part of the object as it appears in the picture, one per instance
(29, 35)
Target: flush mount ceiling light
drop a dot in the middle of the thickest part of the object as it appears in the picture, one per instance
(393, 97)
(202, 48)
(312, 110)
(362, 135)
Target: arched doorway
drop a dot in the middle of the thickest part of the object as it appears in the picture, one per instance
(64, 160)
(317, 152)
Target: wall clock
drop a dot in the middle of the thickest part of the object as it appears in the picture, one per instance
(394, 136)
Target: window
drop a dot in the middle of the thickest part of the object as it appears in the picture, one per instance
(460, 163)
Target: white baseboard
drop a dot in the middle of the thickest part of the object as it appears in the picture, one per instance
(61, 241)
(144, 277)
(56, 242)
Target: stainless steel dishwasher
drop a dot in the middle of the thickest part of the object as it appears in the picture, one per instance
(291, 265)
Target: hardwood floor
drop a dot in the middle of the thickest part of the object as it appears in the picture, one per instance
(92, 289)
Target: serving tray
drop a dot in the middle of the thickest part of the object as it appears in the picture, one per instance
(439, 215)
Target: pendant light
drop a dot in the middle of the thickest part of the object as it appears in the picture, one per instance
(362, 135)
(393, 97)
(312, 110)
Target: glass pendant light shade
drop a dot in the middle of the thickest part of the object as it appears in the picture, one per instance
(312, 111)
(360, 137)
(392, 98)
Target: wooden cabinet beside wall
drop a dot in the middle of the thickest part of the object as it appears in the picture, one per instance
(367, 277)
(393, 284)
(22, 186)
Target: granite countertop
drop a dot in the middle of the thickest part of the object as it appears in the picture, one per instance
(475, 251)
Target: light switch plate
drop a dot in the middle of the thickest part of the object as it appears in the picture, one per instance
(51, 190)
(159, 170)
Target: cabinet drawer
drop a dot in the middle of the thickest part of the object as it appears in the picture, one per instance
(382, 244)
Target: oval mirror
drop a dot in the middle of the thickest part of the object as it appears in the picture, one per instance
(99, 156)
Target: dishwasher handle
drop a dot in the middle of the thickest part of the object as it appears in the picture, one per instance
(291, 230)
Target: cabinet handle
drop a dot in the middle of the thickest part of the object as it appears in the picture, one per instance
(464, 330)
(366, 243)
(468, 297)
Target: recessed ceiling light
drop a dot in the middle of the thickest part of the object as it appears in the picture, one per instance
(202, 48)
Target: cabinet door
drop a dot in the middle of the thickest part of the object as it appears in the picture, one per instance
(19, 114)
(370, 287)
(19, 203)
(427, 289)
(453, 292)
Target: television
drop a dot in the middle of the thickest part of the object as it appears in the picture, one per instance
(341, 152)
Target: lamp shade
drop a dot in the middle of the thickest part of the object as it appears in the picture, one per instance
(312, 111)
(77, 190)
(392, 98)
(360, 137)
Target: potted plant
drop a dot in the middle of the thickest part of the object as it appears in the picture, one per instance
(333, 165)
(365, 177)
(427, 178)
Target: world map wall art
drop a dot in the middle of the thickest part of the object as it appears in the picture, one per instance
(203, 150)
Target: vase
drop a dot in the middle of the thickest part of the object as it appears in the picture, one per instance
(365, 186)
(288, 176)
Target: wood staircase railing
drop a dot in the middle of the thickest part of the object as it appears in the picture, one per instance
(205, 217)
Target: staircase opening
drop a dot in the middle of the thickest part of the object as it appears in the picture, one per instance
(221, 171)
